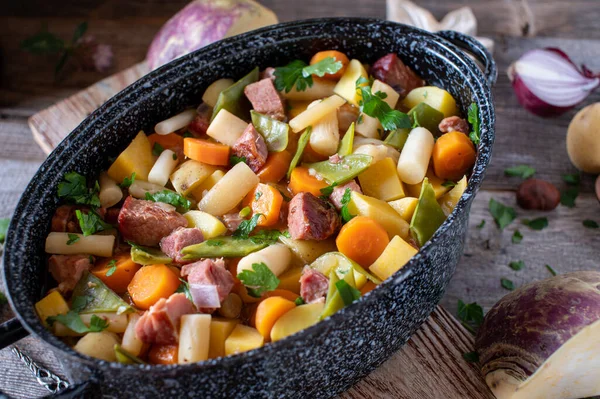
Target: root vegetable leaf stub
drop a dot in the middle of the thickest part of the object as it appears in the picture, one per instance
(258, 280)
(536, 224)
(470, 315)
(522, 171)
(551, 270)
(503, 215)
(517, 265)
(590, 224)
(507, 284)
(517, 237)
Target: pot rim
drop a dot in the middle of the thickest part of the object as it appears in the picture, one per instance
(487, 117)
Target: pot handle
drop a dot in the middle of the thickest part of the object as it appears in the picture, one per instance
(10, 332)
(475, 48)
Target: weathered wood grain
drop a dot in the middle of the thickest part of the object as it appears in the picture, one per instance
(565, 244)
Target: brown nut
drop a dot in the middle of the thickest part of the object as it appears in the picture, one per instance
(538, 194)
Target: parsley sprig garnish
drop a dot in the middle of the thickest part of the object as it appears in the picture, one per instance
(503, 215)
(258, 280)
(170, 197)
(247, 226)
(374, 106)
(73, 321)
(346, 215)
(91, 222)
(473, 117)
(298, 73)
(73, 188)
(470, 315)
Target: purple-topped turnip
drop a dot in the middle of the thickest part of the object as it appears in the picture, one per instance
(542, 341)
(203, 22)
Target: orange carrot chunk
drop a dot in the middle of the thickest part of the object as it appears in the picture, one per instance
(171, 141)
(151, 283)
(163, 354)
(266, 200)
(453, 155)
(116, 272)
(338, 56)
(268, 311)
(286, 294)
(362, 239)
(206, 151)
(302, 181)
(275, 168)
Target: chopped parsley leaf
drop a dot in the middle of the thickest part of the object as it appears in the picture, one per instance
(3, 229)
(73, 238)
(507, 284)
(128, 181)
(590, 224)
(374, 106)
(297, 73)
(234, 160)
(551, 270)
(503, 215)
(347, 292)
(536, 224)
(473, 117)
(517, 265)
(522, 171)
(73, 188)
(481, 224)
(170, 197)
(470, 315)
(112, 268)
(247, 226)
(567, 197)
(157, 149)
(91, 223)
(448, 183)
(572, 179)
(346, 215)
(258, 280)
(517, 237)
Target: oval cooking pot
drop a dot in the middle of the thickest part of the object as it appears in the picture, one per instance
(328, 357)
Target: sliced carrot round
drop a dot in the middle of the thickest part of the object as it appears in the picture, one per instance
(302, 181)
(152, 283)
(362, 239)
(267, 201)
(116, 272)
(453, 155)
(163, 354)
(269, 311)
(275, 168)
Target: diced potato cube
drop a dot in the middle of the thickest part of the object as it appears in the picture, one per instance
(194, 338)
(242, 339)
(306, 251)
(207, 184)
(219, 331)
(381, 181)
(211, 226)
(449, 200)
(100, 345)
(397, 253)
(405, 207)
(189, 175)
(433, 96)
(380, 211)
(226, 128)
(296, 319)
(52, 304)
(290, 280)
(346, 87)
(414, 190)
(136, 158)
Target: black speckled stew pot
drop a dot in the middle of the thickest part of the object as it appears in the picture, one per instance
(329, 357)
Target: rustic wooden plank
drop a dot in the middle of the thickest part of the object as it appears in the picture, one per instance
(436, 349)
(565, 244)
(17, 141)
(51, 125)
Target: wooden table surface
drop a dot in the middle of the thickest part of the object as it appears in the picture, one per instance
(27, 86)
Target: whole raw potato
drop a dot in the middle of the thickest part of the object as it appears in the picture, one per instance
(583, 139)
(542, 341)
(203, 22)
